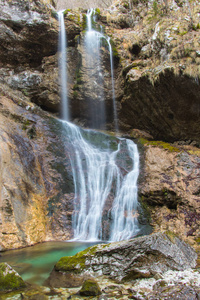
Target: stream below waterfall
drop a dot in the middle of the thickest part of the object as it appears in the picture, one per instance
(35, 263)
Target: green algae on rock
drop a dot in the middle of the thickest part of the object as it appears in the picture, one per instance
(9, 279)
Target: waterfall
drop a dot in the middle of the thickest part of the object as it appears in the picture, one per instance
(94, 73)
(93, 42)
(105, 169)
(113, 85)
(62, 62)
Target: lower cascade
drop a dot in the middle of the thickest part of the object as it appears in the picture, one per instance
(105, 171)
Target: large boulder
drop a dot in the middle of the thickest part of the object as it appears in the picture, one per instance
(141, 257)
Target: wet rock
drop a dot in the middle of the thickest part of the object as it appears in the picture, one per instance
(142, 257)
(9, 279)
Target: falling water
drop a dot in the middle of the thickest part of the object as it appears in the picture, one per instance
(124, 210)
(105, 172)
(93, 43)
(95, 73)
(113, 85)
(62, 46)
(105, 169)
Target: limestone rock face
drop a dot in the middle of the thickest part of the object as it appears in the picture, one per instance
(168, 110)
(34, 180)
(141, 257)
(73, 4)
(29, 50)
(170, 187)
(158, 50)
(27, 33)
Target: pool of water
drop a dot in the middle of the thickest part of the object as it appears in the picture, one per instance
(35, 263)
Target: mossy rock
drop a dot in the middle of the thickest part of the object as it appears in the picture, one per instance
(76, 263)
(10, 280)
(159, 144)
(90, 288)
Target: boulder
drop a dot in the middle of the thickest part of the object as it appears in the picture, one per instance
(9, 279)
(141, 257)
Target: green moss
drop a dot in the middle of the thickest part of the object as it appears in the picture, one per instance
(198, 240)
(144, 210)
(196, 27)
(90, 288)
(76, 263)
(171, 235)
(26, 124)
(25, 92)
(32, 132)
(114, 49)
(75, 94)
(66, 11)
(84, 22)
(126, 5)
(155, 7)
(160, 144)
(54, 14)
(73, 264)
(182, 33)
(9, 279)
(97, 11)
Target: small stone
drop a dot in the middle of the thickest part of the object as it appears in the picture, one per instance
(90, 288)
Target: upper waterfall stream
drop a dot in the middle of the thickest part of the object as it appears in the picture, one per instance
(62, 62)
(105, 169)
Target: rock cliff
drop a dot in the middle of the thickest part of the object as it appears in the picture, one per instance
(169, 186)
(156, 68)
(35, 180)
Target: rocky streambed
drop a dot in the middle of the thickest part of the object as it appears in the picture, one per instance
(157, 266)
